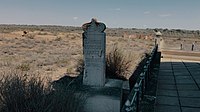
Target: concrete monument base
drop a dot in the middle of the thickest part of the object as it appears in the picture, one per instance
(105, 99)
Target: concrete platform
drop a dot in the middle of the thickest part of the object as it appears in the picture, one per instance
(178, 88)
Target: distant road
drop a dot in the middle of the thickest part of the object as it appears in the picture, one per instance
(179, 54)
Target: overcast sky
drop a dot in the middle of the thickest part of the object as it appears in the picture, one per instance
(171, 14)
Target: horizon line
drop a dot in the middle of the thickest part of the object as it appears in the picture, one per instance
(59, 25)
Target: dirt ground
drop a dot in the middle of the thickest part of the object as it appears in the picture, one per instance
(175, 44)
(55, 54)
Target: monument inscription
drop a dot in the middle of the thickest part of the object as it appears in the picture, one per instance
(94, 47)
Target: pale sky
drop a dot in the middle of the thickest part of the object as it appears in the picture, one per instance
(171, 14)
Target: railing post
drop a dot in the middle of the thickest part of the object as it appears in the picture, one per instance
(148, 70)
(150, 66)
(146, 74)
(136, 89)
(153, 54)
(151, 63)
(142, 77)
(128, 108)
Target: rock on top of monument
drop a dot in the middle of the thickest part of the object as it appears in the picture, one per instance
(94, 26)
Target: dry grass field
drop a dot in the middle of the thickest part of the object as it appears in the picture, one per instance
(55, 53)
(175, 44)
(31, 56)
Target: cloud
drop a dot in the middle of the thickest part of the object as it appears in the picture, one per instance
(75, 18)
(115, 9)
(147, 12)
(144, 25)
(165, 15)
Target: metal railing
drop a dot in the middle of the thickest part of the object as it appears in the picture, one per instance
(133, 101)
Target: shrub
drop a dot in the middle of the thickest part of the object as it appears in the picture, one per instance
(80, 66)
(30, 36)
(24, 67)
(117, 64)
(58, 39)
(20, 93)
(42, 33)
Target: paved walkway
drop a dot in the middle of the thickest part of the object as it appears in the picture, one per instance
(178, 86)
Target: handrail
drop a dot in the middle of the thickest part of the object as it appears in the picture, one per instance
(132, 103)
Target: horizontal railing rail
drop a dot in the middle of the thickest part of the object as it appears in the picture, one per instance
(133, 101)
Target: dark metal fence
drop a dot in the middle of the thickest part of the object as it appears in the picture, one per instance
(133, 101)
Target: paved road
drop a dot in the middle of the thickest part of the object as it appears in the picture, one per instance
(178, 86)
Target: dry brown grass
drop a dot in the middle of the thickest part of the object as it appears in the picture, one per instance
(54, 53)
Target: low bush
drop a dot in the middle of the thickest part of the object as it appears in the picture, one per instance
(117, 64)
(58, 39)
(23, 67)
(30, 36)
(80, 66)
(42, 33)
(22, 93)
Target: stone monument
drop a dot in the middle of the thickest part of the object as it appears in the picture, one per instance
(94, 48)
(105, 95)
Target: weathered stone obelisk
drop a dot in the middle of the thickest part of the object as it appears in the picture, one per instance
(94, 48)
